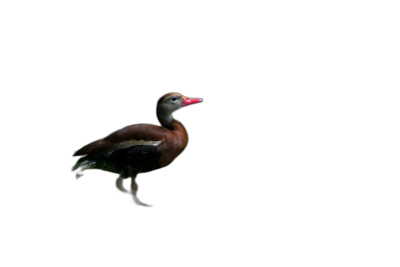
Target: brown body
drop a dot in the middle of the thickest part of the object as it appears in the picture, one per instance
(141, 147)
(172, 141)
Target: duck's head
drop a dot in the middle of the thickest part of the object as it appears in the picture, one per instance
(171, 102)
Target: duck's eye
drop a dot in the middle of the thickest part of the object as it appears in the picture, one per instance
(174, 98)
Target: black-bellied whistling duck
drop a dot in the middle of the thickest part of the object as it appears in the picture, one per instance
(141, 147)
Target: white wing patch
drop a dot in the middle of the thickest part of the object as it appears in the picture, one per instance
(130, 143)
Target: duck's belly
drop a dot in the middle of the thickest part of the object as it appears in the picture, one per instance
(137, 159)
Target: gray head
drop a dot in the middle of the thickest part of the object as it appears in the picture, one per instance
(171, 102)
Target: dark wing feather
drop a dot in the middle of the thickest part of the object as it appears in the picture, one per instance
(87, 149)
(139, 132)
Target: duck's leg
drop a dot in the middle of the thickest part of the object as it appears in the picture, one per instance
(119, 184)
(134, 189)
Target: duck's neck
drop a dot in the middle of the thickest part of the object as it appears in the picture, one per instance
(169, 122)
(166, 120)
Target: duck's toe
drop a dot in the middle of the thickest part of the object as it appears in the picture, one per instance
(137, 201)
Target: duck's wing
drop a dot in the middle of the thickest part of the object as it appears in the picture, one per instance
(133, 135)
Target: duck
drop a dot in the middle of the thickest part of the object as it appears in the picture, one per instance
(139, 148)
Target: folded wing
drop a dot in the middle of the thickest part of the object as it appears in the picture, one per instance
(134, 135)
